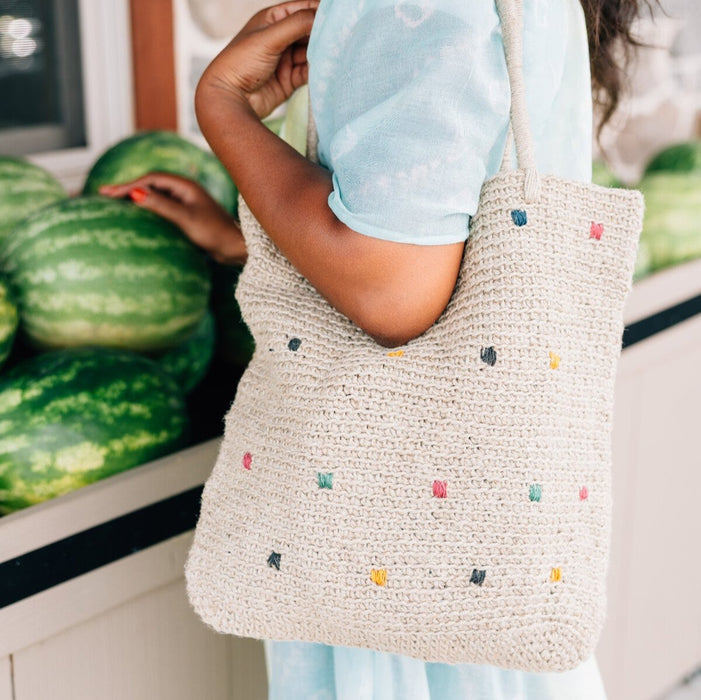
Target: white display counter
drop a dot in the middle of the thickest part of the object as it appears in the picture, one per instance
(92, 598)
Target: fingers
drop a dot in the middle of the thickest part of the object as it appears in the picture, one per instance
(292, 71)
(289, 30)
(161, 204)
(178, 187)
(278, 12)
(170, 196)
(299, 54)
(275, 13)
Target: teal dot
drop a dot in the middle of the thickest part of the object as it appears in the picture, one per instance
(325, 481)
(535, 492)
(518, 216)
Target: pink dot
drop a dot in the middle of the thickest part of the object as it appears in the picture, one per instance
(439, 489)
(583, 493)
(596, 230)
(247, 459)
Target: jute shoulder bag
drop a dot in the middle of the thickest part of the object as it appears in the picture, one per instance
(448, 500)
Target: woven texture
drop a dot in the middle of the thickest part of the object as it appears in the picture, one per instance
(450, 499)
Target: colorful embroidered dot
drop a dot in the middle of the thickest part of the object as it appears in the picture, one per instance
(535, 492)
(583, 493)
(379, 576)
(325, 481)
(554, 360)
(440, 489)
(396, 353)
(274, 560)
(519, 217)
(478, 576)
(555, 574)
(247, 460)
(595, 230)
(294, 344)
(489, 355)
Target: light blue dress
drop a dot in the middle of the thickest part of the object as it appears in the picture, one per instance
(411, 103)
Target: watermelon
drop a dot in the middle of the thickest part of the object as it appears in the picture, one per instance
(9, 318)
(679, 158)
(188, 362)
(235, 342)
(24, 188)
(671, 229)
(167, 152)
(71, 417)
(98, 271)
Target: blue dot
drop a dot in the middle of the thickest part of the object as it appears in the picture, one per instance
(294, 344)
(489, 355)
(478, 576)
(519, 217)
(274, 560)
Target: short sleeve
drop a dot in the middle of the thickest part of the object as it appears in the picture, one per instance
(411, 101)
(414, 103)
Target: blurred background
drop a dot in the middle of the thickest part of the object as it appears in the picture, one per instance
(95, 524)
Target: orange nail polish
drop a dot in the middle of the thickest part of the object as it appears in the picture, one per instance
(138, 194)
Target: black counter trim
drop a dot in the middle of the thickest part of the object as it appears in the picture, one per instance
(661, 321)
(103, 544)
(90, 549)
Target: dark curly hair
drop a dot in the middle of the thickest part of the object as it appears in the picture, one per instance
(609, 25)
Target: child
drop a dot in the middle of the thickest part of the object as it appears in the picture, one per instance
(411, 103)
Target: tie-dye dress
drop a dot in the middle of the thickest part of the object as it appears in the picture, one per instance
(411, 103)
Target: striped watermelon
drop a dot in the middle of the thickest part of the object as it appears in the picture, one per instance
(98, 271)
(71, 417)
(188, 362)
(24, 188)
(9, 318)
(166, 152)
(678, 158)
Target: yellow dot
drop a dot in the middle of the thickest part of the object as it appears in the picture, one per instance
(556, 574)
(379, 576)
(396, 353)
(554, 360)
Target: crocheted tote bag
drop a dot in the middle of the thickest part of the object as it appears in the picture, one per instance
(448, 500)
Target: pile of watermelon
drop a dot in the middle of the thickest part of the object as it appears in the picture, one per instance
(109, 323)
(671, 185)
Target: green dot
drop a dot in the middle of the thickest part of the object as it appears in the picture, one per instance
(535, 492)
(325, 481)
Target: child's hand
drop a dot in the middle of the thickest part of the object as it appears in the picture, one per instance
(265, 62)
(191, 208)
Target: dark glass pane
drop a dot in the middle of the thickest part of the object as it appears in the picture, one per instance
(40, 76)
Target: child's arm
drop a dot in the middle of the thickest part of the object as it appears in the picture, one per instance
(394, 291)
(188, 205)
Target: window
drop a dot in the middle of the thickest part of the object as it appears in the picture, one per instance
(41, 77)
(65, 78)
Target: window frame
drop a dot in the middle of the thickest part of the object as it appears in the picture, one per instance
(105, 41)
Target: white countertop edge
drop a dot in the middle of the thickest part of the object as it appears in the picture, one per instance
(662, 290)
(104, 500)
